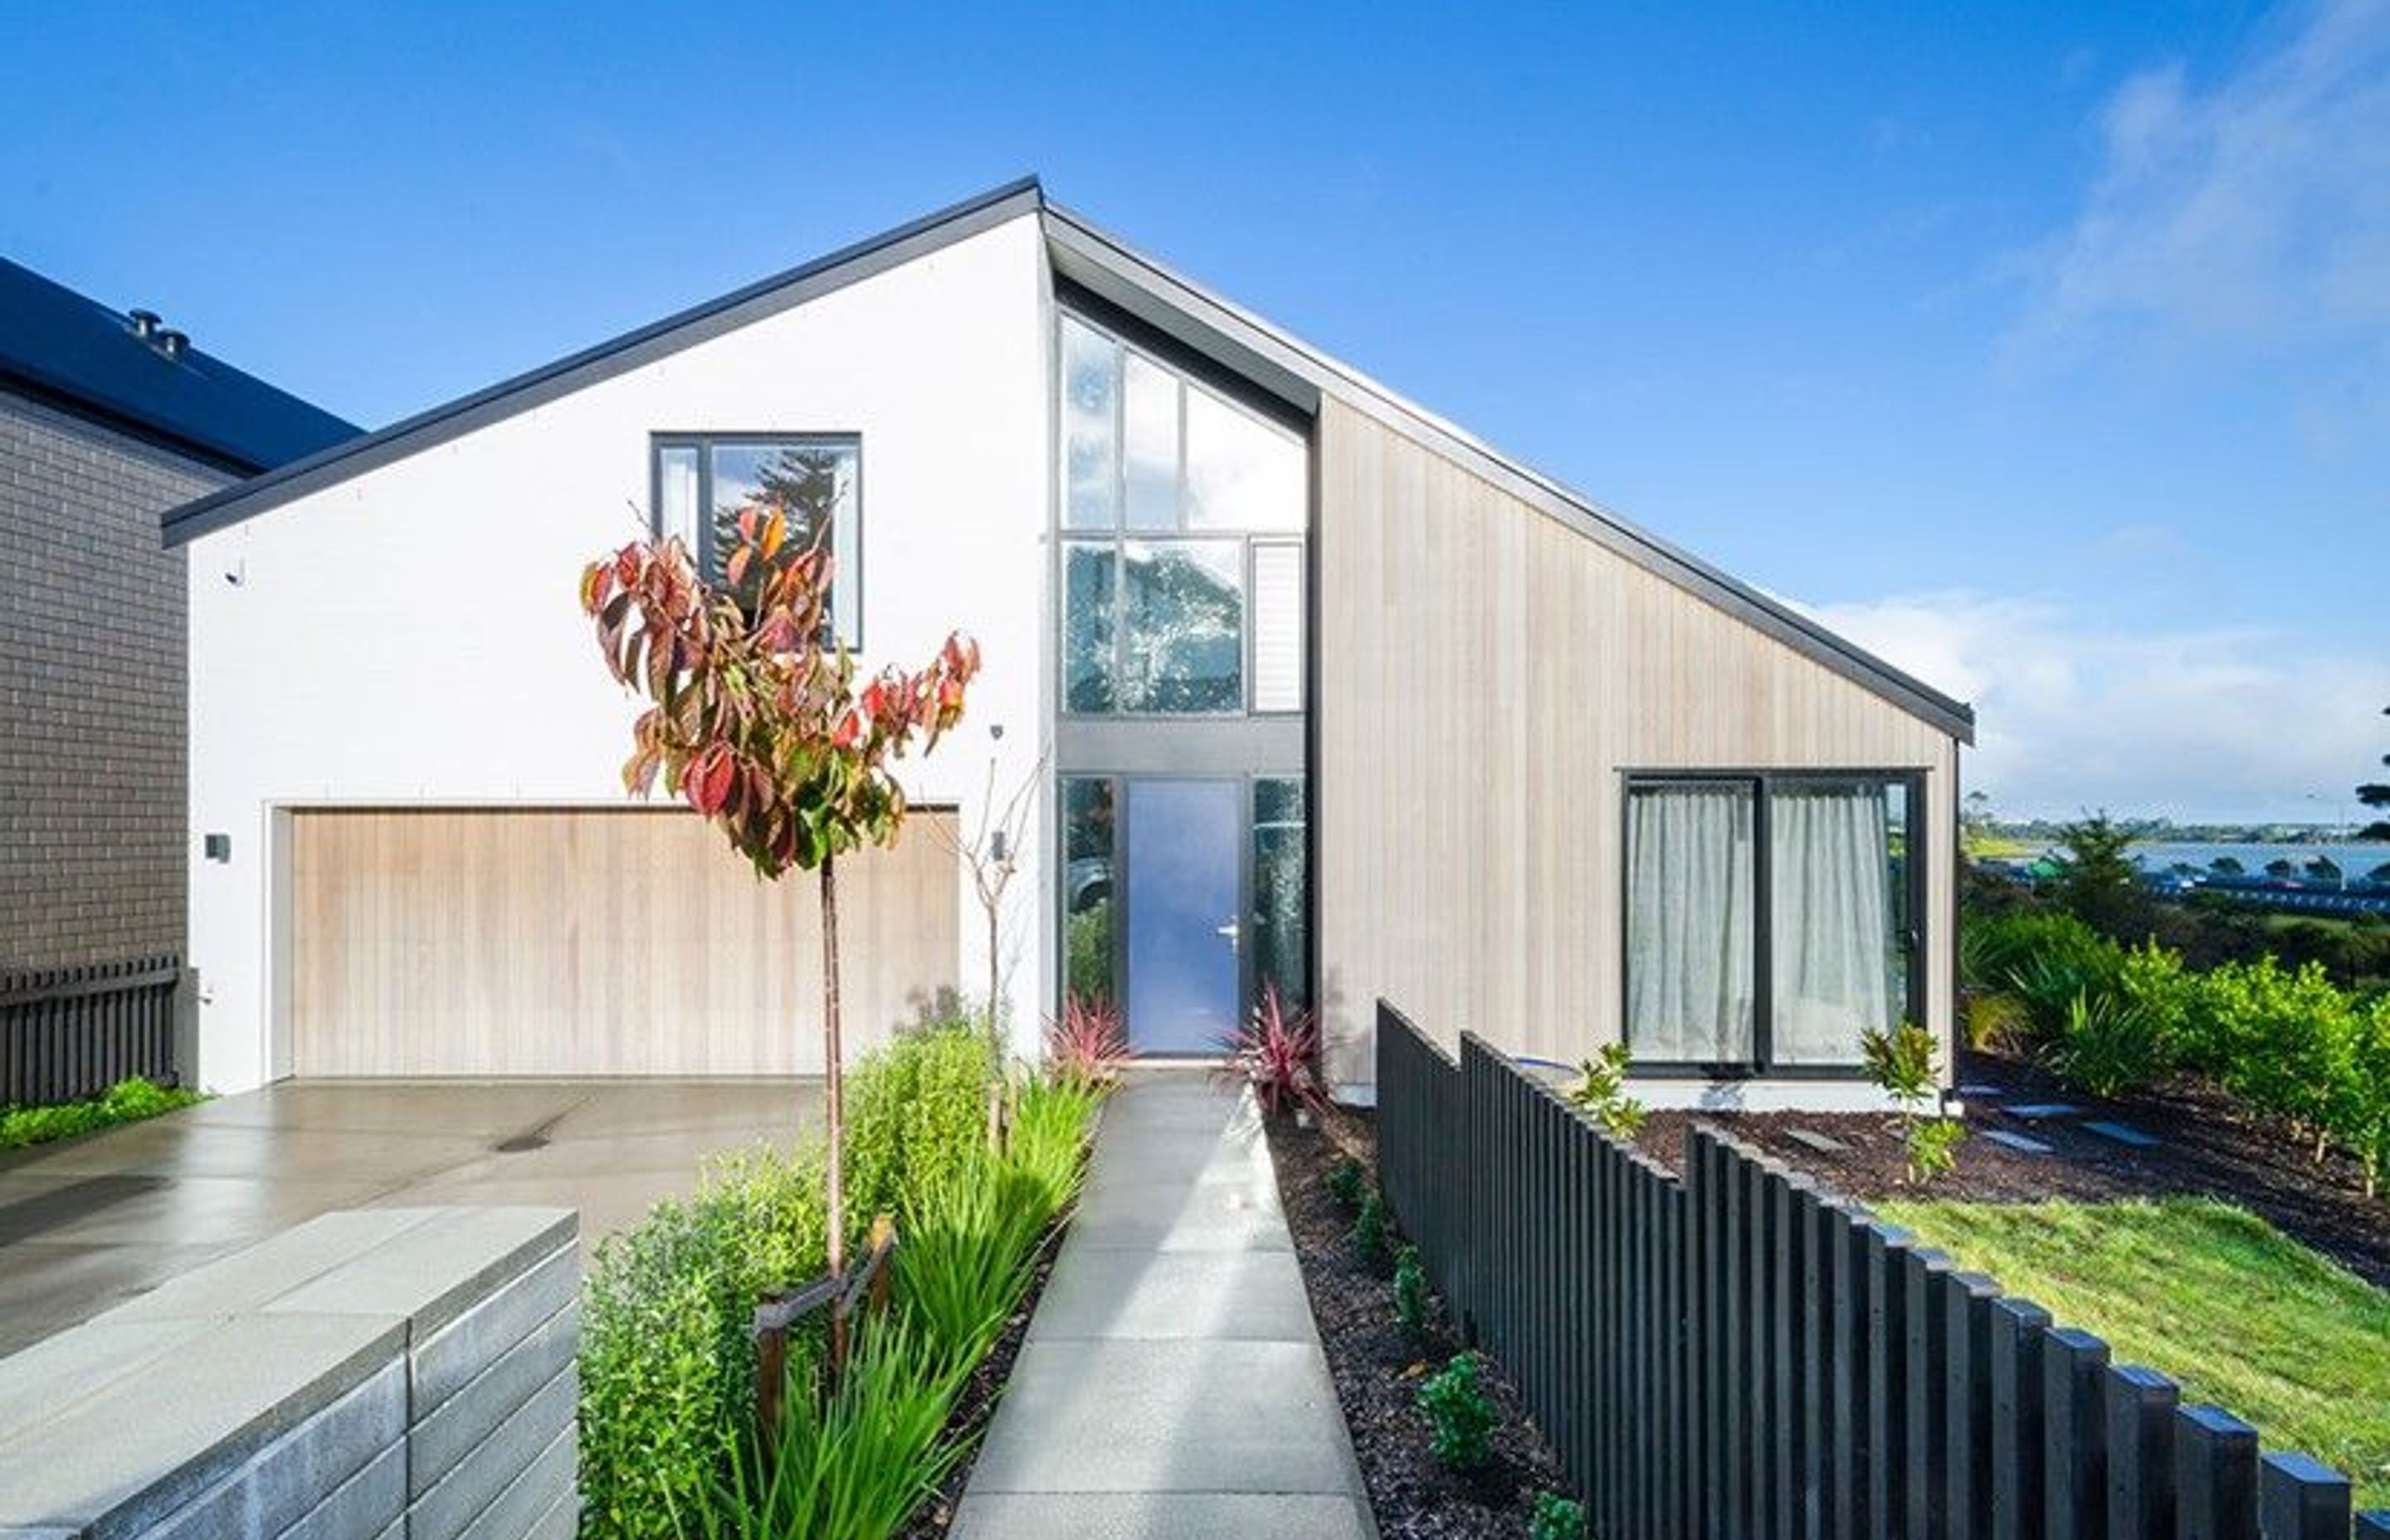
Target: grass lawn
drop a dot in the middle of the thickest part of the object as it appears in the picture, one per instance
(2211, 1295)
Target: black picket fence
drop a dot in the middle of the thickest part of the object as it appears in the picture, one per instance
(1740, 1355)
(68, 1032)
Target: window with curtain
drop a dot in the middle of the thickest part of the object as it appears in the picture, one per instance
(704, 480)
(1769, 919)
(1182, 516)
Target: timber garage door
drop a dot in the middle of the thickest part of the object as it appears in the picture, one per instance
(581, 941)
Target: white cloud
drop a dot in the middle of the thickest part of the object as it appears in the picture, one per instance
(2253, 213)
(2193, 724)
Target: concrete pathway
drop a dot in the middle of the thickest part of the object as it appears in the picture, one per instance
(90, 1223)
(1171, 1386)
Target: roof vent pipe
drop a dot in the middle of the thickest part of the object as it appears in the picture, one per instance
(172, 344)
(144, 323)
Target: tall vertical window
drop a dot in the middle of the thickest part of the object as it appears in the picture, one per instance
(1182, 517)
(1770, 919)
(704, 480)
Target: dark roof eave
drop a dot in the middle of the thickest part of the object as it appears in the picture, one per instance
(645, 344)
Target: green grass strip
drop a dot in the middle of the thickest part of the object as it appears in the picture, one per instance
(2209, 1294)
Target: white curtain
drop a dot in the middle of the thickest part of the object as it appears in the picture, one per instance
(1690, 896)
(1830, 925)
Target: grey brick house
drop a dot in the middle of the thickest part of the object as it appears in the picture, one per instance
(107, 419)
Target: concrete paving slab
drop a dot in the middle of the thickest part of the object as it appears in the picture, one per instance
(1103, 1416)
(187, 1210)
(2038, 1111)
(1233, 1296)
(1175, 1216)
(1825, 1143)
(46, 1288)
(2124, 1133)
(1172, 1384)
(1159, 1516)
(2023, 1144)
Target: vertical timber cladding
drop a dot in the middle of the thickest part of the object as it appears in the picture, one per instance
(594, 941)
(1485, 673)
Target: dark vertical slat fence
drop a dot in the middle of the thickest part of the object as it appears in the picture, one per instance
(68, 1033)
(1735, 1355)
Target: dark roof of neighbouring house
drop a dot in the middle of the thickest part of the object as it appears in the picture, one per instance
(1095, 262)
(78, 352)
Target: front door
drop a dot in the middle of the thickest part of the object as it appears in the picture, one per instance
(1184, 839)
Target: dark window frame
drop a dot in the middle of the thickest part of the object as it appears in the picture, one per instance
(846, 585)
(1762, 784)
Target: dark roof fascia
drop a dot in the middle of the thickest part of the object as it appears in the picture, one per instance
(141, 429)
(632, 349)
(1300, 374)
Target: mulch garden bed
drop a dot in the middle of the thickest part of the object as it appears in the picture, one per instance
(2208, 1144)
(1377, 1367)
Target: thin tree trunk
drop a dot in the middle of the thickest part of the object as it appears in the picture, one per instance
(833, 1069)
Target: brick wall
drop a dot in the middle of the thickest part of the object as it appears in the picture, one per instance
(91, 690)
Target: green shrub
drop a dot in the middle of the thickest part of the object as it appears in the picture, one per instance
(1460, 1416)
(1410, 1293)
(1344, 1182)
(964, 1262)
(916, 1114)
(2283, 1041)
(2044, 960)
(1048, 1140)
(2109, 1045)
(1556, 1518)
(665, 1375)
(1932, 1145)
(667, 1367)
(854, 1464)
(1601, 1093)
(1370, 1242)
(126, 1101)
(1997, 1023)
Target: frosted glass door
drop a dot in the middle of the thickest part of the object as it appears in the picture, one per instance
(1184, 839)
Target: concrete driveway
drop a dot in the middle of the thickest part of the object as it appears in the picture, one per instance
(91, 1223)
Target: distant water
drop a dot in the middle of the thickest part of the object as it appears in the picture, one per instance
(2353, 860)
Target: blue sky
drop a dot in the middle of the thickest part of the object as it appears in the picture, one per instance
(2044, 348)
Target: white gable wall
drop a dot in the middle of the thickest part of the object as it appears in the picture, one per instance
(413, 636)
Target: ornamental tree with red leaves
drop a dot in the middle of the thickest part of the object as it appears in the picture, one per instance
(758, 719)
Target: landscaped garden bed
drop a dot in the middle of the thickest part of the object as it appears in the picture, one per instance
(2214, 1246)
(2208, 1144)
(126, 1101)
(1378, 1368)
(669, 1441)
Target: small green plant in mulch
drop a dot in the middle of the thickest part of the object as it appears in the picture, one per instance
(1460, 1416)
(1370, 1241)
(1410, 1293)
(1345, 1180)
(1601, 1093)
(1556, 1518)
(126, 1101)
(1904, 1063)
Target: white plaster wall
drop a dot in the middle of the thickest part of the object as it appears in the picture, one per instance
(414, 635)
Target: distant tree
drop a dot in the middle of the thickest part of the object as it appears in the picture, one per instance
(2282, 868)
(2098, 883)
(2376, 795)
(2380, 875)
(2323, 869)
(2227, 866)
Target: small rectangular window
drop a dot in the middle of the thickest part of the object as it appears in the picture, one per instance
(703, 482)
(1091, 428)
